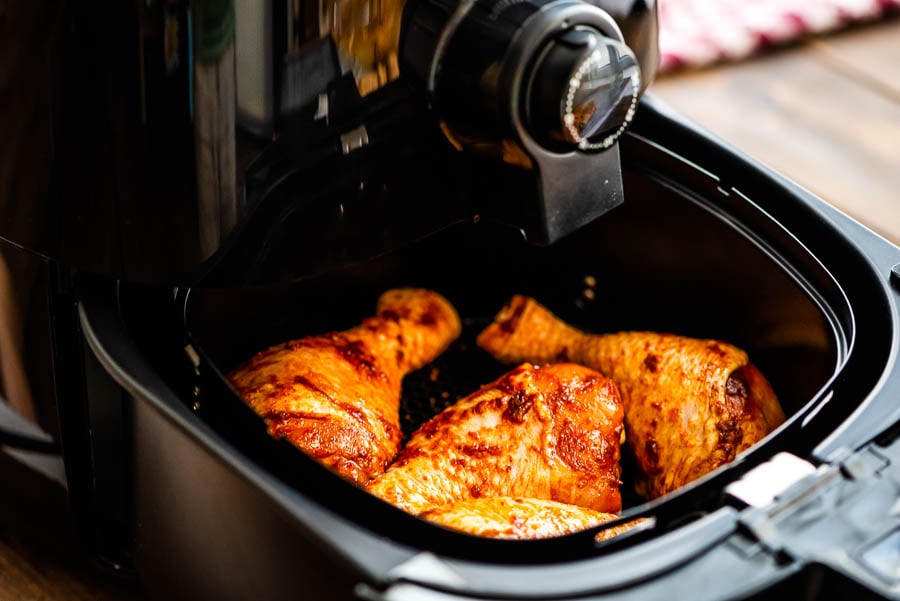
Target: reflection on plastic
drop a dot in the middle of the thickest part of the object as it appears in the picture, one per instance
(883, 558)
(50, 466)
(215, 97)
(367, 34)
(13, 379)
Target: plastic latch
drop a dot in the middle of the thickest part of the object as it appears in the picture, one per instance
(761, 485)
(844, 515)
(895, 275)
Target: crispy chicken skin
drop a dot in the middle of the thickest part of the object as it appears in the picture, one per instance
(336, 396)
(544, 432)
(520, 518)
(690, 405)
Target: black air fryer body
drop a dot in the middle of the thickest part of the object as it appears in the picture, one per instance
(708, 244)
(171, 277)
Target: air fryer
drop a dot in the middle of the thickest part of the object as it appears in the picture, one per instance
(804, 289)
(181, 232)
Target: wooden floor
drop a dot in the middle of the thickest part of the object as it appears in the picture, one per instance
(40, 558)
(824, 112)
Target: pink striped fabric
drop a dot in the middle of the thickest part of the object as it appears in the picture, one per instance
(700, 32)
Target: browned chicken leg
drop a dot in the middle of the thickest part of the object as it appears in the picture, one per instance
(336, 396)
(545, 432)
(520, 518)
(690, 405)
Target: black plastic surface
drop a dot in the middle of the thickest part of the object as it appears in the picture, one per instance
(827, 273)
(858, 260)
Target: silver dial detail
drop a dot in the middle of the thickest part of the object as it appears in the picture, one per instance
(601, 96)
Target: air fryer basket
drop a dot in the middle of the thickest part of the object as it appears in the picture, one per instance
(707, 244)
(668, 260)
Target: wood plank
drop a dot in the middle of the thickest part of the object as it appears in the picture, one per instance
(869, 55)
(796, 113)
(40, 559)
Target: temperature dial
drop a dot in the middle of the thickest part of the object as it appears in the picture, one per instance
(582, 91)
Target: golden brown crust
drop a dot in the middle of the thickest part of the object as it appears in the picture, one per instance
(520, 518)
(690, 405)
(548, 433)
(336, 396)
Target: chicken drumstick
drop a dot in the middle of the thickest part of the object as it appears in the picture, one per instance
(337, 396)
(544, 432)
(690, 405)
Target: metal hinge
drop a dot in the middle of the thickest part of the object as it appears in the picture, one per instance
(354, 139)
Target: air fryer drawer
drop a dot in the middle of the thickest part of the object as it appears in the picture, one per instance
(726, 250)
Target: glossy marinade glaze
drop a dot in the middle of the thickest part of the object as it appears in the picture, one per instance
(337, 395)
(691, 405)
(521, 518)
(550, 432)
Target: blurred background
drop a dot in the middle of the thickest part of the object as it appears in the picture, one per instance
(809, 87)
